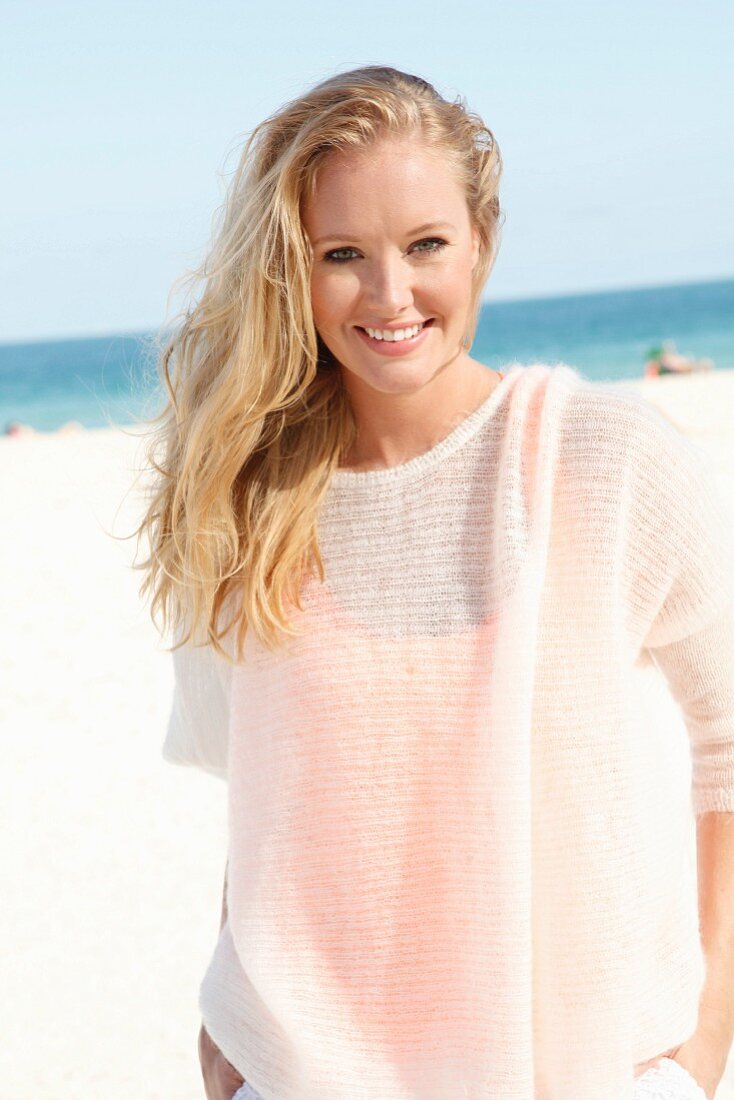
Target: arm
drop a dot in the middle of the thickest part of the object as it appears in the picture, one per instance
(198, 723)
(705, 1054)
(699, 669)
(715, 843)
(221, 1079)
(685, 557)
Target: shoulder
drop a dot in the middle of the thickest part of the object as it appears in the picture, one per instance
(607, 442)
(611, 432)
(613, 408)
(584, 405)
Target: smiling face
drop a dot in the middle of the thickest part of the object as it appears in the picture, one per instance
(377, 264)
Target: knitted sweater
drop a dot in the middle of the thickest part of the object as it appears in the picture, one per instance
(461, 805)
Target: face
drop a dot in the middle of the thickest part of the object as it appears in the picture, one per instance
(376, 267)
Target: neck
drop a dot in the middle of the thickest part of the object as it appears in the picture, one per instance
(396, 428)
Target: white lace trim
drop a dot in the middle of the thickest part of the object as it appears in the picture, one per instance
(668, 1080)
(246, 1092)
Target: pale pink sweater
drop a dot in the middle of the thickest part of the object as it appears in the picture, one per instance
(460, 836)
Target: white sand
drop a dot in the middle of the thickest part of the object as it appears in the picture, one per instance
(112, 860)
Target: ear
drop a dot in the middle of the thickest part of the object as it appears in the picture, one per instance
(476, 247)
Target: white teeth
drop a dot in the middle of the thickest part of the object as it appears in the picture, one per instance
(398, 334)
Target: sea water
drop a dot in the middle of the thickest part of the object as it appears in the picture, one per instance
(102, 381)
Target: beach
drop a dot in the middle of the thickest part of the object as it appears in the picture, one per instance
(113, 859)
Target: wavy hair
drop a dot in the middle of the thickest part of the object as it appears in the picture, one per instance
(257, 416)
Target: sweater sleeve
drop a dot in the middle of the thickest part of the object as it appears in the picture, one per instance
(198, 723)
(689, 562)
(685, 551)
(699, 670)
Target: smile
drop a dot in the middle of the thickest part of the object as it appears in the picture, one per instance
(408, 339)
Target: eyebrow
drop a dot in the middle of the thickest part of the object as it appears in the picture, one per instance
(411, 232)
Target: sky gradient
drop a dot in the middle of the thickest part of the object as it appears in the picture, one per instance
(124, 122)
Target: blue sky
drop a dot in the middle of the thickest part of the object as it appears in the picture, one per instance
(124, 120)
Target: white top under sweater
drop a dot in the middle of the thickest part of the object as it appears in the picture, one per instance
(460, 821)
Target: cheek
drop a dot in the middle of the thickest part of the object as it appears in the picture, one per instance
(330, 300)
(450, 297)
(449, 285)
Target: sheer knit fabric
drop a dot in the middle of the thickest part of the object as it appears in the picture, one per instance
(461, 804)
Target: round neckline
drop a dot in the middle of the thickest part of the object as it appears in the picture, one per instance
(402, 471)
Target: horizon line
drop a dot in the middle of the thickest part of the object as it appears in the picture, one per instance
(112, 334)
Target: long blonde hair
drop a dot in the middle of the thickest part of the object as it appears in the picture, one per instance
(257, 417)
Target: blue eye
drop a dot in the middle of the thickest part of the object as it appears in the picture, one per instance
(334, 257)
(438, 242)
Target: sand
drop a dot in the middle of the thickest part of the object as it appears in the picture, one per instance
(112, 860)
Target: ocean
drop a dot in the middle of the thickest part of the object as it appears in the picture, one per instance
(102, 381)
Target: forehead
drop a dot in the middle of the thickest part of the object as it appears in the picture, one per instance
(395, 178)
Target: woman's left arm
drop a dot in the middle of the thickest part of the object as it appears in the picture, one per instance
(715, 844)
(683, 577)
(699, 669)
(706, 1052)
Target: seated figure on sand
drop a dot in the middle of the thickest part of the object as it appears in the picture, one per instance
(666, 359)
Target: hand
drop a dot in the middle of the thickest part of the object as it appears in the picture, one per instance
(221, 1079)
(703, 1055)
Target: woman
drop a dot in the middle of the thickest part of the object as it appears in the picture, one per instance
(416, 605)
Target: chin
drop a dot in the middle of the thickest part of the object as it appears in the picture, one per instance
(401, 381)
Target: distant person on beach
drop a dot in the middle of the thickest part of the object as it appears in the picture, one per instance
(18, 428)
(665, 359)
(415, 604)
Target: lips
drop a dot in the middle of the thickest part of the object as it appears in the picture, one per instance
(394, 349)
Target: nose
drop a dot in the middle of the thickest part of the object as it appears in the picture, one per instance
(388, 286)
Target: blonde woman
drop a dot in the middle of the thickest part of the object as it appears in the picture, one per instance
(416, 605)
